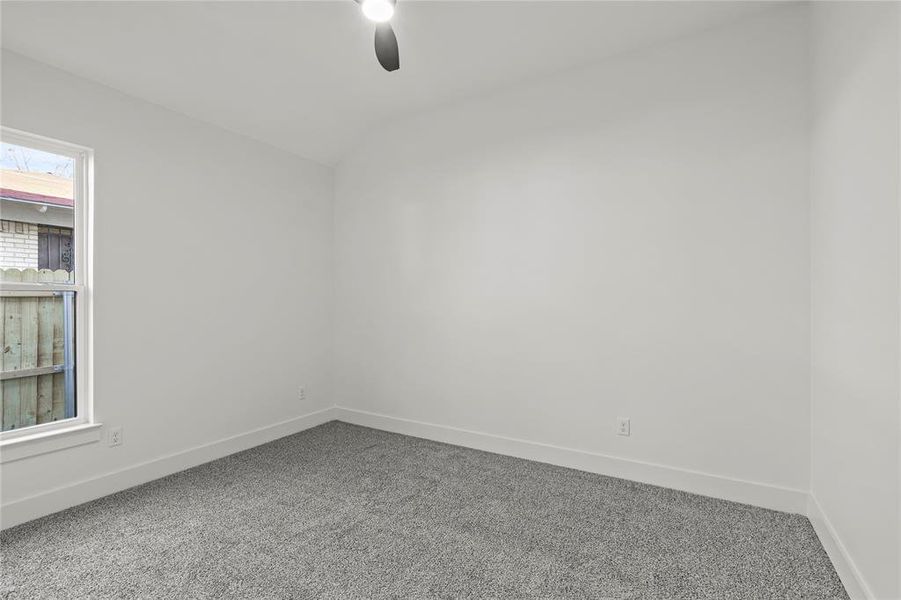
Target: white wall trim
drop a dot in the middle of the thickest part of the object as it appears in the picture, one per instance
(32, 507)
(847, 570)
(705, 484)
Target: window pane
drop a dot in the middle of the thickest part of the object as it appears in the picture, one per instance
(37, 381)
(37, 212)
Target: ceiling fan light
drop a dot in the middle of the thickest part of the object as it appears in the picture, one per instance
(379, 11)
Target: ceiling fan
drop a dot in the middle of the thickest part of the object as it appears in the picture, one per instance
(381, 11)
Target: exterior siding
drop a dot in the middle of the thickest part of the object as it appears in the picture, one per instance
(18, 245)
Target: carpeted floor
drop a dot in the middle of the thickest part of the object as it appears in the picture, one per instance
(341, 511)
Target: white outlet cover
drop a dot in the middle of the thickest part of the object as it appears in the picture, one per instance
(623, 426)
(115, 436)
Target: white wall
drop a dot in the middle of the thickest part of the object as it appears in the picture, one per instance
(187, 352)
(626, 239)
(855, 274)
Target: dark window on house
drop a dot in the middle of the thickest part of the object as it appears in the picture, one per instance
(55, 248)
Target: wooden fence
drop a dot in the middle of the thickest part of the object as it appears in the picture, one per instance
(33, 340)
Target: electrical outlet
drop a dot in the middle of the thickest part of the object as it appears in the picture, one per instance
(623, 426)
(302, 396)
(115, 436)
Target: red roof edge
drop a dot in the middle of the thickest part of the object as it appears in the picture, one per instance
(8, 194)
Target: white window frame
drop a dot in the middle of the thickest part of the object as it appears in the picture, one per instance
(37, 439)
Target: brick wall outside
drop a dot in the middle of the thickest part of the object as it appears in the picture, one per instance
(18, 245)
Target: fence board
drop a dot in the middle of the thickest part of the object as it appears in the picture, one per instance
(10, 275)
(12, 360)
(46, 309)
(28, 386)
(58, 399)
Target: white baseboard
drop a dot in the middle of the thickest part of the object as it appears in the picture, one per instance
(738, 490)
(26, 509)
(851, 577)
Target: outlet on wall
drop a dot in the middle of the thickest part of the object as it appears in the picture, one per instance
(623, 426)
(115, 436)
(302, 394)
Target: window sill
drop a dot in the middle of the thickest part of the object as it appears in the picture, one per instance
(48, 441)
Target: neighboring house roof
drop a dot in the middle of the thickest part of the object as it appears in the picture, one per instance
(41, 188)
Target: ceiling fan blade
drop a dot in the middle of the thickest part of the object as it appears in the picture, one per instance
(386, 47)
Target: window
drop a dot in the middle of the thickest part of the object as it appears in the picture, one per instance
(44, 292)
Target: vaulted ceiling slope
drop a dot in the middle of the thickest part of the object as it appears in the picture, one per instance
(302, 76)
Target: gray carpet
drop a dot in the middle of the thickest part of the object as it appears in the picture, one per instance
(346, 512)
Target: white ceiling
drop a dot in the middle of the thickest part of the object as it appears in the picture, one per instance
(302, 76)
